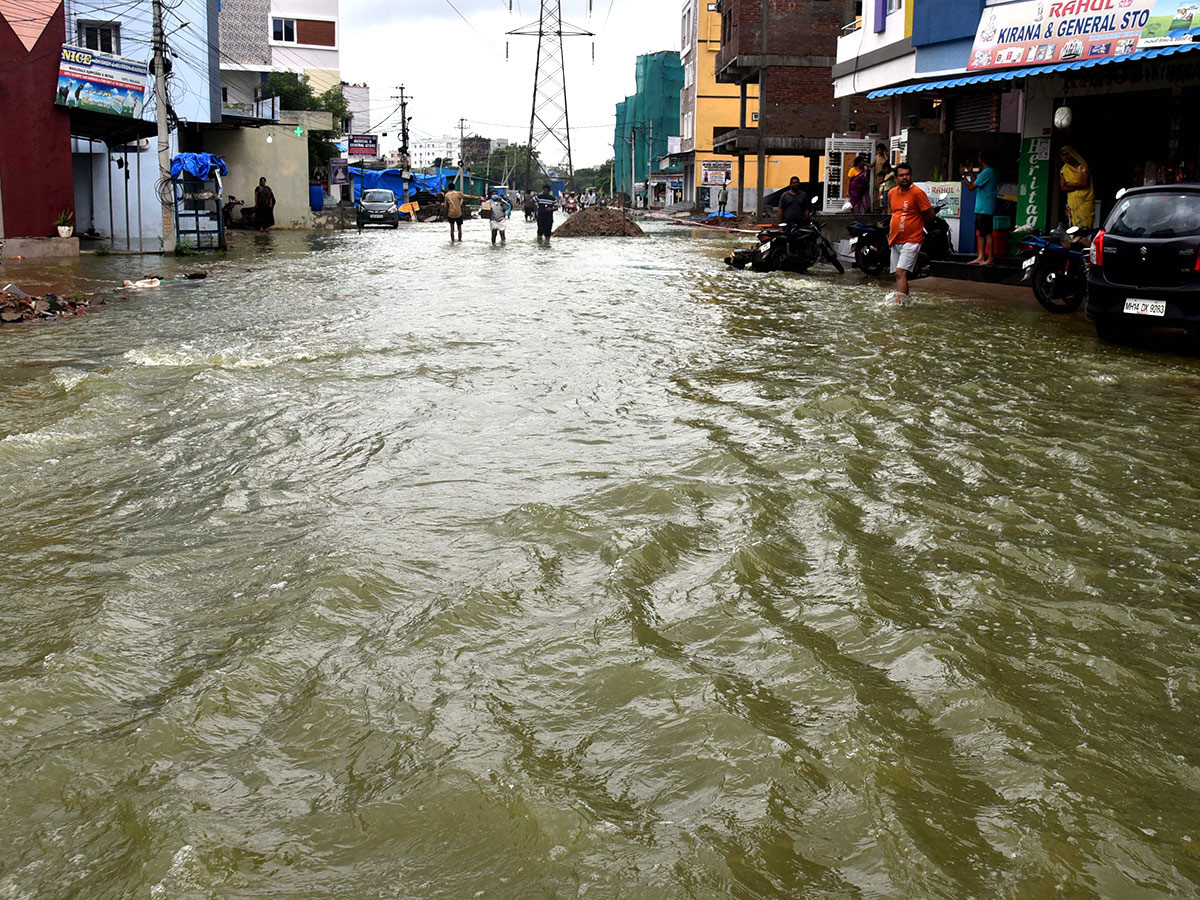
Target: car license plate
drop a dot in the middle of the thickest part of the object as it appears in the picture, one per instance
(1138, 307)
(376, 215)
(1028, 264)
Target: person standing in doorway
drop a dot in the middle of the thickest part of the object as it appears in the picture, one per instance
(454, 210)
(723, 197)
(984, 186)
(264, 206)
(545, 213)
(500, 208)
(910, 209)
(793, 204)
(1075, 181)
(887, 181)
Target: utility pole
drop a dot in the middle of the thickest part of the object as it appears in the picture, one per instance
(461, 124)
(548, 118)
(405, 163)
(164, 138)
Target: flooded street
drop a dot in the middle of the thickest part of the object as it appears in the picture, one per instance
(376, 567)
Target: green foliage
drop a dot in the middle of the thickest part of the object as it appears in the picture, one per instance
(594, 176)
(184, 248)
(295, 93)
(65, 219)
(102, 250)
(511, 159)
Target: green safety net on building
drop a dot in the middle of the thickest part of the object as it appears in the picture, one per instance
(647, 118)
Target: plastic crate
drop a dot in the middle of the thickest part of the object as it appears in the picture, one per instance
(1002, 223)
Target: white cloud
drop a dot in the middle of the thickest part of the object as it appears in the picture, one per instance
(452, 69)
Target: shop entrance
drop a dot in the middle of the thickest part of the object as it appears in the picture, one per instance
(1121, 135)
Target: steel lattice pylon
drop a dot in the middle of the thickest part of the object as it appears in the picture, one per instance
(549, 122)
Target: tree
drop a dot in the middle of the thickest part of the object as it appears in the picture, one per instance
(510, 161)
(295, 93)
(594, 176)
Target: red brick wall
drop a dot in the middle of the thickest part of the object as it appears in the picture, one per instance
(798, 101)
(36, 179)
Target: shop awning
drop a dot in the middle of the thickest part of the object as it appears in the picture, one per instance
(1011, 74)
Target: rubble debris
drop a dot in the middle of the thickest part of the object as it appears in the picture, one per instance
(599, 221)
(16, 306)
(196, 275)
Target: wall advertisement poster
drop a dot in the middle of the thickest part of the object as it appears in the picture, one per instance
(97, 82)
(1033, 32)
(715, 172)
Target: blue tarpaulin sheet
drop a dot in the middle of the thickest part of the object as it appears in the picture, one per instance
(723, 215)
(393, 180)
(198, 165)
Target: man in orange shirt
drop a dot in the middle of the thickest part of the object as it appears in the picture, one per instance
(910, 209)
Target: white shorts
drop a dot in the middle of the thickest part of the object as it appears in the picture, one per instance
(904, 256)
(498, 225)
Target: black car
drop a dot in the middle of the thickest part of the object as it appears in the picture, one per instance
(1145, 266)
(378, 207)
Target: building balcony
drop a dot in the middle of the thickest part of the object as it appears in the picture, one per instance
(750, 141)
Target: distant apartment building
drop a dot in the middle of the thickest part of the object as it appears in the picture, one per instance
(425, 150)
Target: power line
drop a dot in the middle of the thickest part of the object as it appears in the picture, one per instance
(473, 28)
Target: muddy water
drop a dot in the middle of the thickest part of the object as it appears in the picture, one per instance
(375, 567)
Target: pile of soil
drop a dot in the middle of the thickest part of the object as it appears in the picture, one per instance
(16, 308)
(599, 222)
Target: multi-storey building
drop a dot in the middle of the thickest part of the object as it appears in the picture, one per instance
(426, 150)
(647, 120)
(259, 37)
(788, 50)
(708, 108)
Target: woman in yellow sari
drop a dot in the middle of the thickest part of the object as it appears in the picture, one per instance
(1076, 183)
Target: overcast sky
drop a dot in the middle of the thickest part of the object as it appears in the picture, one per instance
(453, 69)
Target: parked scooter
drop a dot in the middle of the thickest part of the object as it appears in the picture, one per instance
(1057, 266)
(788, 248)
(872, 253)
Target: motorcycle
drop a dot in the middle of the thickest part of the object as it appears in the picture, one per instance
(1057, 270)
(788, 248)
(872, 254)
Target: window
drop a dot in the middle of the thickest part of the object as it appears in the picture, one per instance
(224, 95)
(686, 35)
(895, 5)
(283, 30)
(103, 37)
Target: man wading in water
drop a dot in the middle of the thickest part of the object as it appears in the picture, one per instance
(910, 209)
(545, 213)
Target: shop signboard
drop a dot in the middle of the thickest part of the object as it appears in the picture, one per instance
(1034, 191)
(363, 145)
(97, 82)
(953, 202)
(339, 171)
(715, 172)
(1032, 32)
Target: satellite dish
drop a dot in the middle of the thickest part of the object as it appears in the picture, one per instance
(1063, 117)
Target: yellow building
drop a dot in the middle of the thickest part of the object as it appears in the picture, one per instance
(708, 108)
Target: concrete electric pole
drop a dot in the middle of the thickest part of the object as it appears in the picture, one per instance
(461, 124)
(167, 190)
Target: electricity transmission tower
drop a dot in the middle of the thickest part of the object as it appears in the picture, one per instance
(549, 123)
